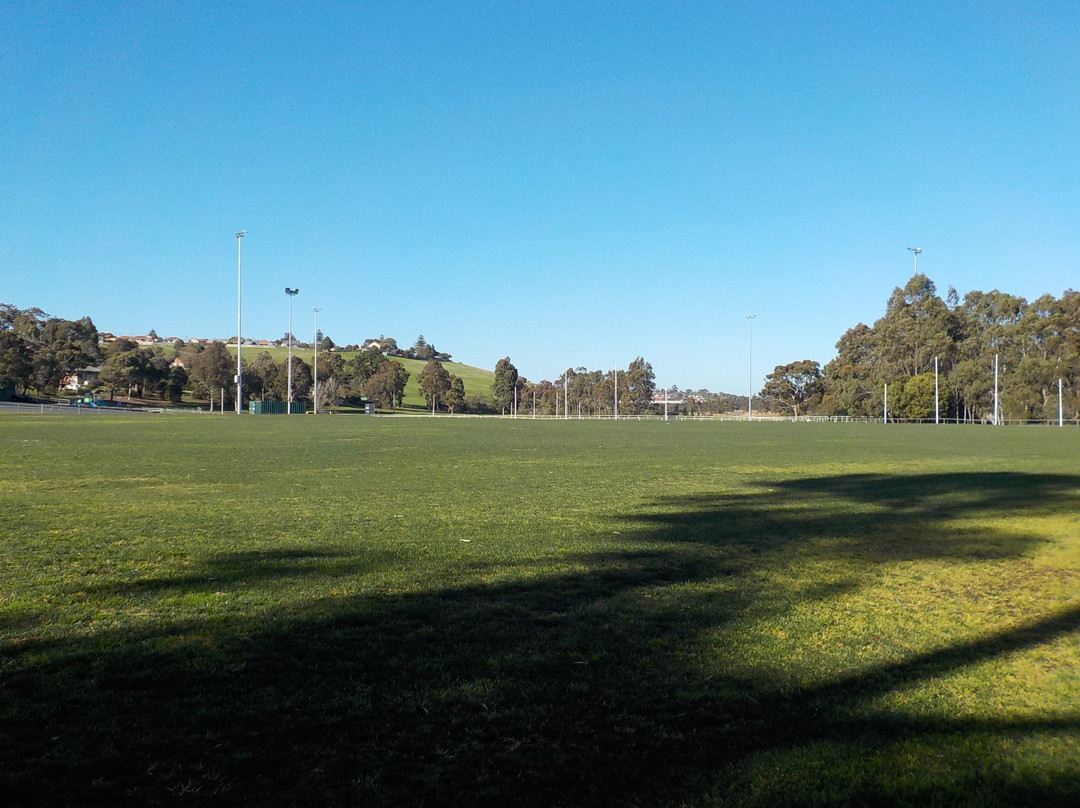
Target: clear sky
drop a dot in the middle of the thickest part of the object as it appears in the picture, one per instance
(565, 183)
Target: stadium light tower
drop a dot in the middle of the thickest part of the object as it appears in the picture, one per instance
(239, 341)
(750, 366)
(916, 251)
(291, 293)
(315, 387)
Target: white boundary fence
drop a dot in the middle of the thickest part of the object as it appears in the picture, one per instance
(42, 408)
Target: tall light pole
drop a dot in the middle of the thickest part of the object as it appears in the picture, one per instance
(750, 366)
(239, 341)
(937, 409)
(291, 293)
(616, 392)
(566, 392)
(916, 251)
(315, 388)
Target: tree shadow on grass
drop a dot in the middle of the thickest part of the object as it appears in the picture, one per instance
(252, 567)
(573, 688)
(880, 517)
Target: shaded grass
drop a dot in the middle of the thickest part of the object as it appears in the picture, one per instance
(372, 611)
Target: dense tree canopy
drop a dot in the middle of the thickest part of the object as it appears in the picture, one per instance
(636, 387)
(39, 351)
(434, 383)
(387, 385)
(937, 357)
(212, 370)
(795, 385)
(502, 389)
(16, 361)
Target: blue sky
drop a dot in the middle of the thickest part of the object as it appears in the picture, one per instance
(565, 183)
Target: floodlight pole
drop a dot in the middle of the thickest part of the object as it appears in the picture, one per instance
(937, 419)
(750, 366)
(916, 251)
(291, 293)
(566, 392)
(315, 388)
(997, 409)
(239, 341)
(616, 392)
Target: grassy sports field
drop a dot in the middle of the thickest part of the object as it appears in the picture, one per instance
(205, 610)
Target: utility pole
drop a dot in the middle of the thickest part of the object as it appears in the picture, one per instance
(315, 388)
(997, 408)
(239, 341)
(616, 393)
(937, 419)
(291, 293)
(750, 367)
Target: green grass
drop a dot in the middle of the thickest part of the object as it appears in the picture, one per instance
(217, 611)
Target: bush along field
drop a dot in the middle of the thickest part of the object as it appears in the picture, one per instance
(364, 611)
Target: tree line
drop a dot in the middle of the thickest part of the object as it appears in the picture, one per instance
(957, 343)
(38, 352)
(577, 391)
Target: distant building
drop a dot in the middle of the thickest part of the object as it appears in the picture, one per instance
(78, 379)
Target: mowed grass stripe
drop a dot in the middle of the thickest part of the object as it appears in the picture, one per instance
(352, 610)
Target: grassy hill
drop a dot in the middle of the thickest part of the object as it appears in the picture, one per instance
(477, 380)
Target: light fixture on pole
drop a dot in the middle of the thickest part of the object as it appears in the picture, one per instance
(750, 366)
(916, 251)
(315, 387)
(291, 293)
(239, 341)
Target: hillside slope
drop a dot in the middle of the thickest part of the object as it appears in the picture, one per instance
(477, 380)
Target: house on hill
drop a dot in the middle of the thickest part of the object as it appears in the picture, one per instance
(78, 379)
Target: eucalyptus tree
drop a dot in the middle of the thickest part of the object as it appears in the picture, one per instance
(387, 385)
(364, 365)
(917, 327)
(301, 378)
(636, 387)
(502, 389)
(434, 383)
(454, 398)
(266, 378)
(130, 369)
(212, 370)
(61, 347)
(16, 361)
(796, 385)
(849, 379)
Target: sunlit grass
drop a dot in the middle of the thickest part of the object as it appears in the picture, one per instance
(386, 611)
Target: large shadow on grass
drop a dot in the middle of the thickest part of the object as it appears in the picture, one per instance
(576, 688)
